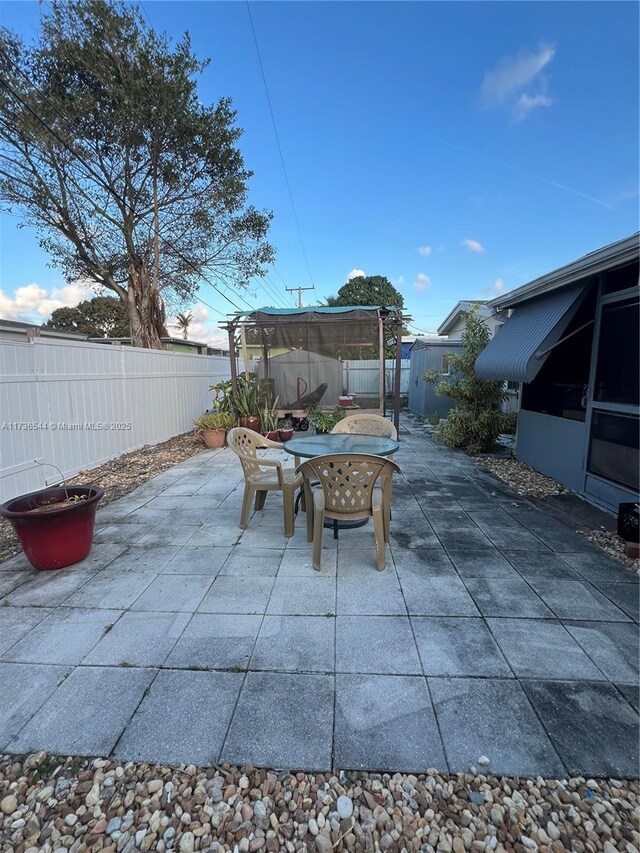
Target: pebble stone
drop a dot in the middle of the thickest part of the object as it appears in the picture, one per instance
(86, 806)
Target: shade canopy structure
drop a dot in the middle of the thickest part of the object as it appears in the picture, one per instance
(519, 349)
(320, 353)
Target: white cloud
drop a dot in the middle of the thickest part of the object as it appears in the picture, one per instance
(513, 73)
(200, 329)
(355, 274)
(525, 104)
(422, 282)
(473, 245)
(33, 303)
(424, 250)
(396, 282)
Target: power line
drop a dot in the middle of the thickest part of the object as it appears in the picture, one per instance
(97, 177)
(299, 291)
(275, 130)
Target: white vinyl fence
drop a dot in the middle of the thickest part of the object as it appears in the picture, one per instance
(362, 377)
(79, 404)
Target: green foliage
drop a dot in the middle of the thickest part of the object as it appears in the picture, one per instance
(183, 322)
(141, 187)
(102, 317)
(248, 398)
(222, 396)
(269, 416)
(368, 290)
(214, 420)
(476, 421)
(433, 418)
(510, 424)
(323, 420)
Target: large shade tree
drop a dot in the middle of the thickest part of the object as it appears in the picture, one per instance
(102, 317)
(130, 180)
(368, 290)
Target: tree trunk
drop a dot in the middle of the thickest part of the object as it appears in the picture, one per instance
(146, 310)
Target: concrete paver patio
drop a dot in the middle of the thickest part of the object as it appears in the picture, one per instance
(494, 630)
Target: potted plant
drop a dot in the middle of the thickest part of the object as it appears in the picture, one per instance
(324, 421)
(212, 428)
(246, 403)
(54, 525)
(269, 420)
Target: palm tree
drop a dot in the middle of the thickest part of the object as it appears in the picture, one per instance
(184, 321)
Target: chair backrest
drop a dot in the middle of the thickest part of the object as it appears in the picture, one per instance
(367, 425)
(347, 480)
(245, 443)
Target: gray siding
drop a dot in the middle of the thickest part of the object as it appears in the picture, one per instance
(422, 397)
(553, 446)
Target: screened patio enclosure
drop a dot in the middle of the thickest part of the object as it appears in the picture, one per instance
(312, 356)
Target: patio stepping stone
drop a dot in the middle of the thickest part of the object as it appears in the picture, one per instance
(423, 563)
(542, 649)
(590, 727)
(613, 647)
(24, 688)
(236, 594)
(47, 589)
(112, 590)
(315, 596)
(541, 566)
(250, 561)
(138, 638)
(15, 622)
(374, 594)
(484, 564)
(437, 596)
(377, 644)
(463, 539)
(577, 600)
(626, 596)
(506, 597)
(64, 636)
(298, 562)
(87, 713)
(454, 646)
(197, 561)
(173, 593)
(295, 644)
(597, 566)
(290, 718)
(384, 723)
(492, 717)
(139, 558)
(183, 714)
(216, 641)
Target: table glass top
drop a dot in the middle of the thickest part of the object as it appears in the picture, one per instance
(309, 446)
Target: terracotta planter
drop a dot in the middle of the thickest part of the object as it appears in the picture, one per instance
(53, 538)
(249, 422)
(213, 438)
(285, 434)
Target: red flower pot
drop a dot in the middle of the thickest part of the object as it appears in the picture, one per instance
(249, 422)
(285, 434)
(54, 537)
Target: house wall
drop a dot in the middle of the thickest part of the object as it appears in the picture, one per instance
(553, 446)
(94, 392)
(423, 399)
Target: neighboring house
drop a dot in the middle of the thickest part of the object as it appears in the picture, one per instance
(572, 339)
(429, 354)
(453, 324)
(168, 343)
(16, 330)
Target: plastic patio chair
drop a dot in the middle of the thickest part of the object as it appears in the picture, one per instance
(348, 493)
(367, 425)
(371, 425)
(263, 475)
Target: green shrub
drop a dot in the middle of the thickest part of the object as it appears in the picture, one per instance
(433, 418)
(475, 421)
(215, 420)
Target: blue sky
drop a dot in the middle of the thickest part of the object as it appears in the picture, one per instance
(460, 149)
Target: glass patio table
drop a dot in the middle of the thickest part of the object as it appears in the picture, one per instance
(309, 446)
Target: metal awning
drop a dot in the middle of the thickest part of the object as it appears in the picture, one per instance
(520, 347)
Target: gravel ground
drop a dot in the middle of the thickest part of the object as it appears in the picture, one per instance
(531, 484)
(120, 476)
(48, 804)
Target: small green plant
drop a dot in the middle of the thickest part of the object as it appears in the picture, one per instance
(269, 416)
(246, 400)
(214, 420)
(6, 603)
(222, 396)
(475, 422)
(433, 418)
(322, 420)
(125, 664)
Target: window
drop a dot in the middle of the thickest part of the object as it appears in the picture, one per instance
(613, 450)
(560, 388)
(622, 278)
(617, 373)
(444, 364)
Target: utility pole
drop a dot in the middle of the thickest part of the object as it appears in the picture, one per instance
(299, 290)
